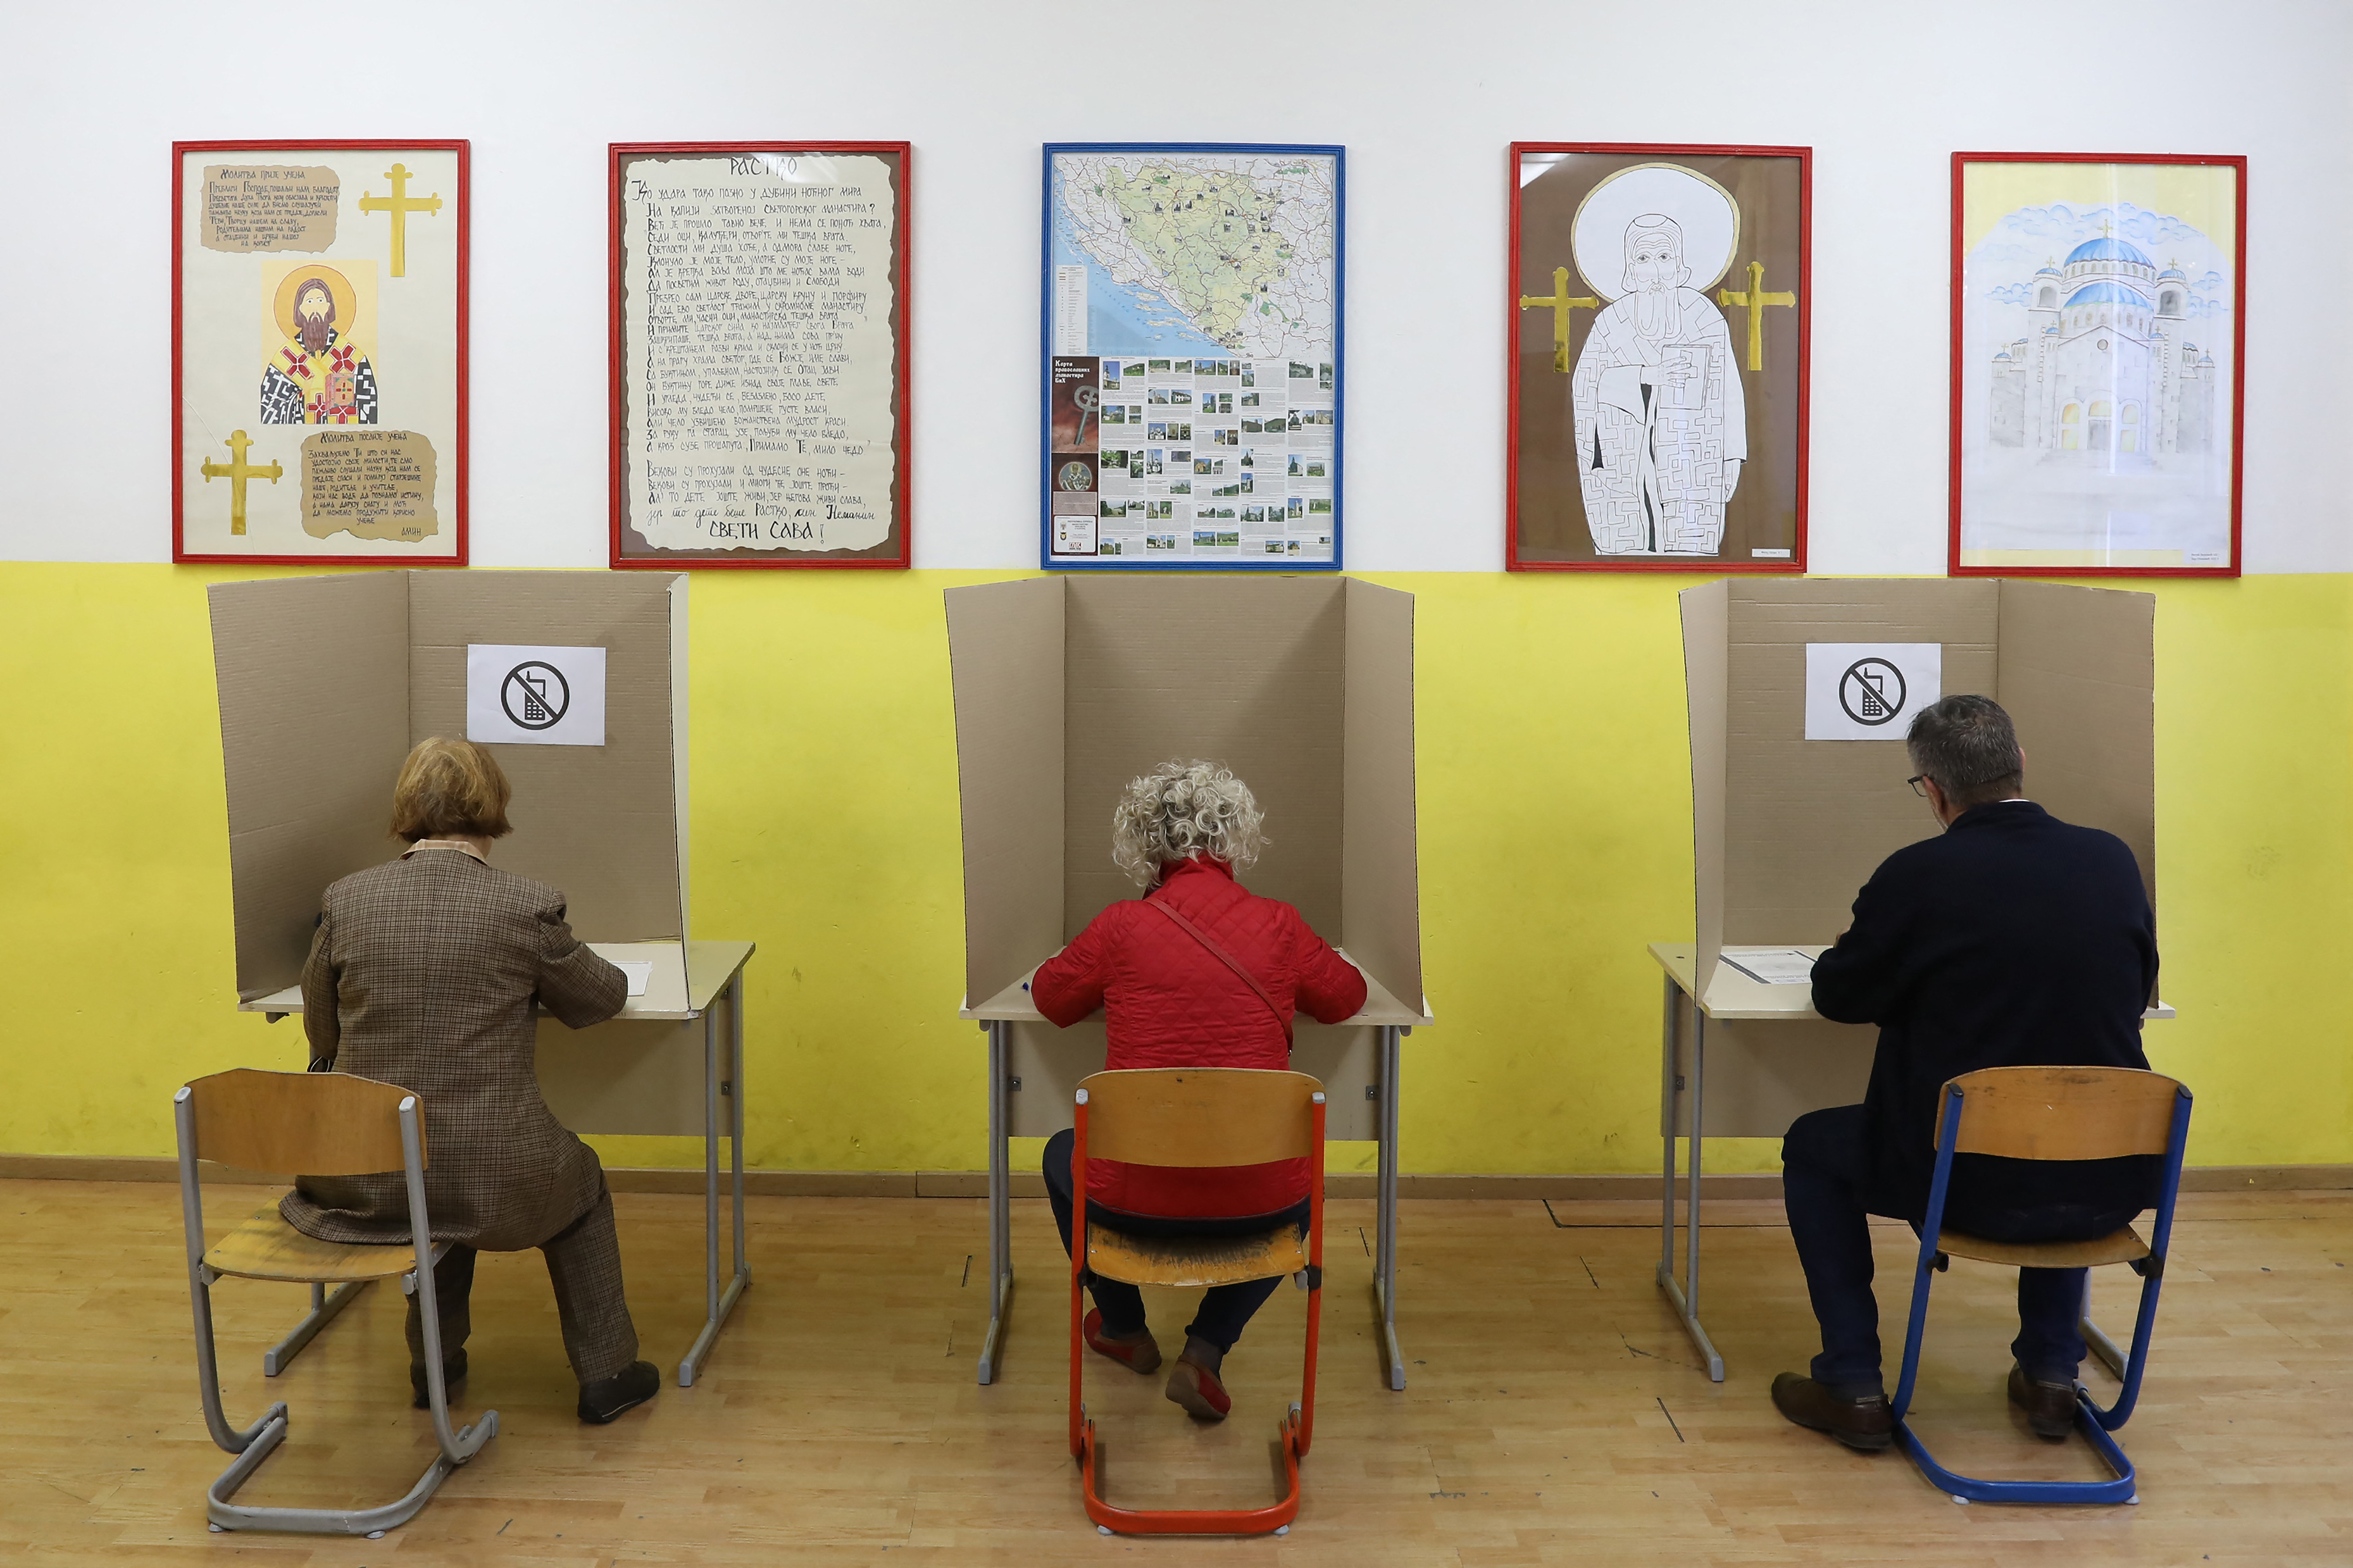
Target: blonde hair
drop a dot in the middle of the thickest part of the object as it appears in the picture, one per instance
(450, 789)
(1182, 811)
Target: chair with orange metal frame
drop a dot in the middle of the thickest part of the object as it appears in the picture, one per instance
(326, 1124)
(1198, 1117)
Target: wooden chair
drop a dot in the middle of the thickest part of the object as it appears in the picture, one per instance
(326, 1124)
(2052, 1113)
(1196, 1117)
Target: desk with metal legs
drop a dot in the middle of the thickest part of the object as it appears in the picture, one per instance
(648, 1069)
(1775, 1058)
(1033, 1068)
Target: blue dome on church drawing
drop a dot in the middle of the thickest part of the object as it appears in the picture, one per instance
(2105, 293)
(2108, 248)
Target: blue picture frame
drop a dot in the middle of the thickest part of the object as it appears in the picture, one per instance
(1046, 559)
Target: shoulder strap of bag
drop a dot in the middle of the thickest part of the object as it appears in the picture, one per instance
(1229, 959)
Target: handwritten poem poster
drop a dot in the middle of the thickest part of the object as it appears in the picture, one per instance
(759, 388)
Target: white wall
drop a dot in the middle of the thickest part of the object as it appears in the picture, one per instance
(1425, 97)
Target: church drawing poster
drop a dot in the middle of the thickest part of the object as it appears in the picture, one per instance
(319, 351)
(760, 353)
(2098, 330)
(1659, 301)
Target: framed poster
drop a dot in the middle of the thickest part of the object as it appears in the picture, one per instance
(319, 351)
(1191, 320)
(2099, 321)
(1660, 307)
(759, 345)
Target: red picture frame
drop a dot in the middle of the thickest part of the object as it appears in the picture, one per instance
(618, 156)
(1961, 364)
(1515, 558)
(181, 553)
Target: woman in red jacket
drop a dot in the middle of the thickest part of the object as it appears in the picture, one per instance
(1198, 973)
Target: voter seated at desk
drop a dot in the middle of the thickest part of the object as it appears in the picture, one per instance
(1199, 971)
(2011, 940)
(426, 973)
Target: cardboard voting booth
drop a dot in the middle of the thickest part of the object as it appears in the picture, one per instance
(1066, 688)
(577, 680)
(1800, 691)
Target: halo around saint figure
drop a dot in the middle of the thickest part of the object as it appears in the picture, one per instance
(1703, 210)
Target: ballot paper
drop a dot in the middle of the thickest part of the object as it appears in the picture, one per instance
(640, 971)
(1773, 965)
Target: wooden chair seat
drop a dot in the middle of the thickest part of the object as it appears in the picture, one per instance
(2124, 1246)
(266, 1247)
(1195, 1260)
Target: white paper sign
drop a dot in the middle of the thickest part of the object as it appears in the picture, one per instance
(1868, 691)
(639, 972)
(518, 695)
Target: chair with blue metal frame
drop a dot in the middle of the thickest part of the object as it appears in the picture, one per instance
(2052, 1113)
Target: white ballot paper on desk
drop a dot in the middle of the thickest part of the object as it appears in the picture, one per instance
(1772, 965)
(640, 971)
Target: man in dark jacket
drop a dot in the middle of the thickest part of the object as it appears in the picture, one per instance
(2011, 940)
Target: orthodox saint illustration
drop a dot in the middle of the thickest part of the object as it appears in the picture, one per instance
(1662, 423)
(317, 375)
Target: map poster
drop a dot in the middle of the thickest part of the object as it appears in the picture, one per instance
(2098, 324)
(759, 330)
(1192, 377)
(1660, 300)
(319, 351)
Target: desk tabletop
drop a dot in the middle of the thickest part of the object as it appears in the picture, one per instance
(710, 965)
(1013, 1005)
(1732, 995)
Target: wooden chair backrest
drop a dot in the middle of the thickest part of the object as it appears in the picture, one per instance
(1201, 1116)
(302, 1123)
(2063, 1114)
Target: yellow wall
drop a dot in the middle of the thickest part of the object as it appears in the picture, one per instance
(1555, 843)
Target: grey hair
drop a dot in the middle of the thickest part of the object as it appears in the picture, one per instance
(1969, 747)
(1182, 811)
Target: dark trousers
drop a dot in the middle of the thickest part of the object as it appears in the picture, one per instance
(583, 1265)
(1827, 1186)
(1225, 1309)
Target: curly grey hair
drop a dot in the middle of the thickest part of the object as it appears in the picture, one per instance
(1181, 811)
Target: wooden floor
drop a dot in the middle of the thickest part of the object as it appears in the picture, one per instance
(1553, 1416)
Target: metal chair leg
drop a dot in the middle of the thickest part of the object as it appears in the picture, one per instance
(323, 1309)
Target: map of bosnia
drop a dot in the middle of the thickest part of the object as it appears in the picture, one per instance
(1240, 246)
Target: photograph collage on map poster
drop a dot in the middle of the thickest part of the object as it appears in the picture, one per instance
(1192, 375)
(1658, 359)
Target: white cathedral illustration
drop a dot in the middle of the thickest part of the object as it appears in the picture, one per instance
(2105, 368)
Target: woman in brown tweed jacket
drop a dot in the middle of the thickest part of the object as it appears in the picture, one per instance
(424, 973)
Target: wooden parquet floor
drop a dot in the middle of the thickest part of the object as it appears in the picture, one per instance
(1553, 1415)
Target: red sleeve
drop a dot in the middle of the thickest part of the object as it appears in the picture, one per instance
(1069, 986)
(1330, 988)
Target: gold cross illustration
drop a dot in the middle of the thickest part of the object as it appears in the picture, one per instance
(400, 204)
(1562, 304)
(236, 470)
(1755, 300)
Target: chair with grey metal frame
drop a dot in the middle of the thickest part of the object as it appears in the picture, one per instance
(329, 1124)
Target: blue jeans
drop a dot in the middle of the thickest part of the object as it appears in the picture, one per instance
(1828, 1187)
(1225, 1310)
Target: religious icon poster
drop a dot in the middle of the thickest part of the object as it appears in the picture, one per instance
(2098, 327)
(1659, 301)
(760, 353)
(319, 351)
(1192, 377)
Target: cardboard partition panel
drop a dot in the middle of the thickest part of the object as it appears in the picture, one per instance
(1068, 687)
(326, 682)
(1786, 829)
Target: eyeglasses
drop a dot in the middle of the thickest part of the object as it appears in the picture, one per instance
(1915, 781)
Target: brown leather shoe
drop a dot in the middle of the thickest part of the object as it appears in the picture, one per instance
(2050, 1406)
(1862, 1423)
